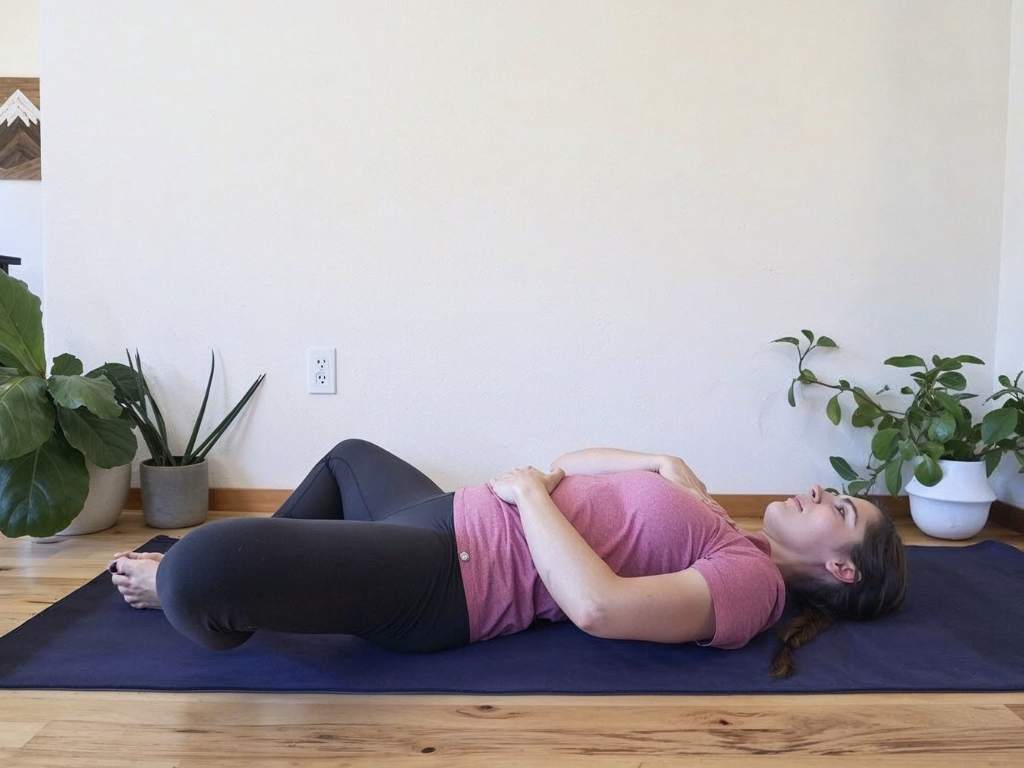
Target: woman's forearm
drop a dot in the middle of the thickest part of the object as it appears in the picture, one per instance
(603, 461)
(572, 572)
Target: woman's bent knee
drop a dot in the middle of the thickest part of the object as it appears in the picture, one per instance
(190, 583)
(350, 446)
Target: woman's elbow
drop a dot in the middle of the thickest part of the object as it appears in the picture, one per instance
(591, 617)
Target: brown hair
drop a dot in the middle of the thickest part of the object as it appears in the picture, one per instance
(882, 587)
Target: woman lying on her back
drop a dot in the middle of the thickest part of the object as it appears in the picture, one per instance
(625, 545)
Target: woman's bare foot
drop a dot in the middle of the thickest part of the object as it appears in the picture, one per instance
(135, 577)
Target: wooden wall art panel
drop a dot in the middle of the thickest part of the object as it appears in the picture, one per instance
(19, 128)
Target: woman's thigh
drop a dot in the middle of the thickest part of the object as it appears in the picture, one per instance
(398, 586)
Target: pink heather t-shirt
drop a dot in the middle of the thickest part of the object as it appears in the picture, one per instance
(640, 524)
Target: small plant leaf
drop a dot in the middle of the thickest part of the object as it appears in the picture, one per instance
(943, 428)
(953, 380)
(906, 391)
(825, 341)
(883, 444)
(907, 450)
(787, 340)
(894, 477)
(970, 359)
(860, 419)
(833, 411)
(992, 461)
(998, 424)
(928, 472)
(789, 395)
(809, 335)
(857, 487)
(906, 361)
(842, 468)
(952, 406)
(807, 376)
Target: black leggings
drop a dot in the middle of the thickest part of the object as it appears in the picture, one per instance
(364, 546)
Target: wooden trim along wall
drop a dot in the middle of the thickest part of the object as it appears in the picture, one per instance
(231, 499)
(269, 500)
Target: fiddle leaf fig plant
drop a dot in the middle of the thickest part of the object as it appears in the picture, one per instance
(49, 425)
(934, 425)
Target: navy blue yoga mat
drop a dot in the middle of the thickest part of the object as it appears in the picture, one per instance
(961, 629)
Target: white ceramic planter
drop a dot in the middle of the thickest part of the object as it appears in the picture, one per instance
(108, 493)
(957, 506)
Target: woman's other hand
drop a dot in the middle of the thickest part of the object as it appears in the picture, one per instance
(677, 472)
(508, 486)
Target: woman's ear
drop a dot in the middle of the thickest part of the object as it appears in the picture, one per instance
(844, 570)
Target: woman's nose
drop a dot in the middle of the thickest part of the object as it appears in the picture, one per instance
(815, 493)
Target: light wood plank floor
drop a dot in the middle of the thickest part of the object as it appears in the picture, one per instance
(85, 728)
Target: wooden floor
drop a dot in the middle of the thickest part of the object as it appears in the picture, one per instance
(84, 728)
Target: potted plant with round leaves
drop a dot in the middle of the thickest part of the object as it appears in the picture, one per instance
(175, 487)
(65, 443)
(952, 452)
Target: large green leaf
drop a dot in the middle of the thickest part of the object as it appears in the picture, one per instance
(42, 491)
(126, 387)
(998, 424)
(80, 392)
(66, 365)
(105, 442)
(21, 325)
(26, 415)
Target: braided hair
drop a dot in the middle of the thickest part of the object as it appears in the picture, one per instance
(881, 587)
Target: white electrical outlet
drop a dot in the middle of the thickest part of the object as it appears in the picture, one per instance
(321, 371)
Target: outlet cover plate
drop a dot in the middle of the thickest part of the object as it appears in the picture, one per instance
(320, 371)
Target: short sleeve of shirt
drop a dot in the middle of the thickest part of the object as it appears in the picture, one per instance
(747, 591)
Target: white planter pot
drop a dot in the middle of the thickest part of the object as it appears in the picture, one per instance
(957, 506)
(108, 493)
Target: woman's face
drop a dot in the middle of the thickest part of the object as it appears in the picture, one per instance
(819, 526)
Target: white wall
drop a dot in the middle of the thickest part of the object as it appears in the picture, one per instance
(527, 228)
(21, 214)
(1009, 355)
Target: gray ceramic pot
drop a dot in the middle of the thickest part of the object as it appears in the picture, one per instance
(175, 497)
